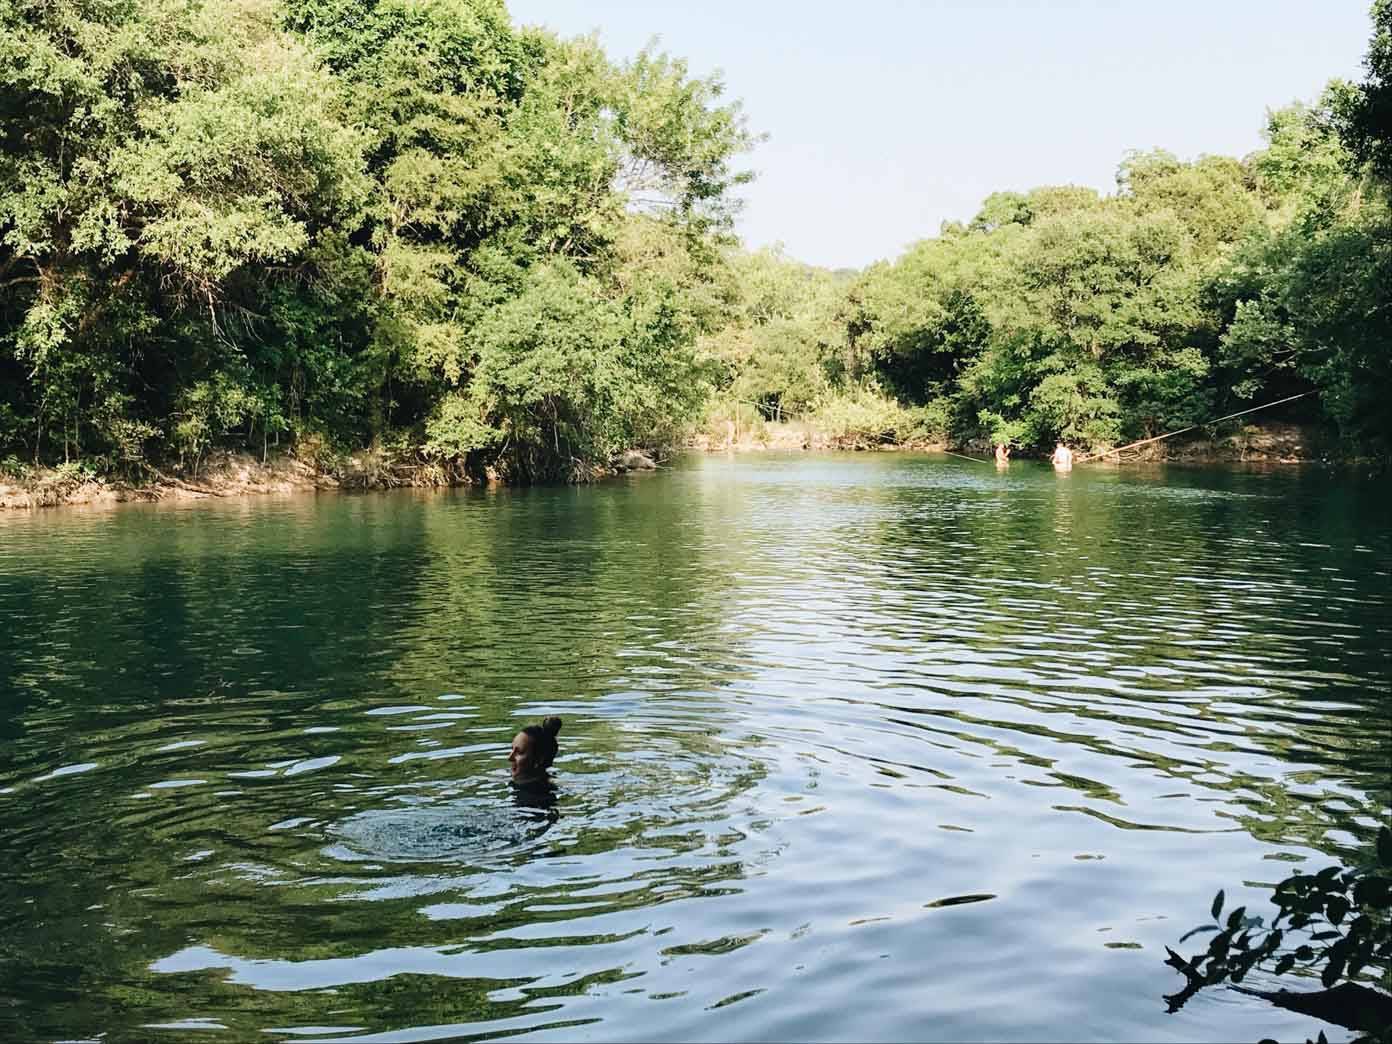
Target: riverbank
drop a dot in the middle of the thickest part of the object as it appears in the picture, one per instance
(1272, 443)
(223, 475)
(236, 474)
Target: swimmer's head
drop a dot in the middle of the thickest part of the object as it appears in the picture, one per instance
(533, 749)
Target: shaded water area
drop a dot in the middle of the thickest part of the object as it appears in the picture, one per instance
(885, 747)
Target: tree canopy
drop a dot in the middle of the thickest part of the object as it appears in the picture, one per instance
(1198, 288)
(413, 224)
(354, 219)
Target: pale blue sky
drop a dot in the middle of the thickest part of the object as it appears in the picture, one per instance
(886, 117)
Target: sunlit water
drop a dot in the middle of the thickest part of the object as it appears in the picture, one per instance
(878, 747)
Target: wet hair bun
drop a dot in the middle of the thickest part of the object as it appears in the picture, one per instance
(551, 725)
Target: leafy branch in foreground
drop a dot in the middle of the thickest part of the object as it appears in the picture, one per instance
(1341, 920)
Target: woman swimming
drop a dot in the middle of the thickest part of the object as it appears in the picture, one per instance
(533, 751)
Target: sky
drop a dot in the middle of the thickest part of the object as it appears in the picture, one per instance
(886, 117)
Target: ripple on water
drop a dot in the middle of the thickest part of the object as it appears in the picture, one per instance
(976, 746)
(459, 832)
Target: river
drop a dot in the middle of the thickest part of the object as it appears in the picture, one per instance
(855, 747)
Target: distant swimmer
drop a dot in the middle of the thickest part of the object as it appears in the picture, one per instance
(1063, 458)
(533, 750)
(1002, 455)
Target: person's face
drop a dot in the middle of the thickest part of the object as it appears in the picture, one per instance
(521, 758)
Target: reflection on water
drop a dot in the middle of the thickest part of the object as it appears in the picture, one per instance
(888, 747)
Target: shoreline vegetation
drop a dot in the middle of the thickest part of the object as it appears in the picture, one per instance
(228, 473)
(273, 232)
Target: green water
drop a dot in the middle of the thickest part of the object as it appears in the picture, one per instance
(856, 748)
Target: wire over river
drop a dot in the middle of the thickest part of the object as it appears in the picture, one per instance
(1157, 438)
(1181, 431)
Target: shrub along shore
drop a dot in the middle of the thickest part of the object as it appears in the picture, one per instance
(230, 473)
(377, 242)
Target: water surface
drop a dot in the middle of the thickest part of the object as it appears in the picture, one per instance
(882, 747)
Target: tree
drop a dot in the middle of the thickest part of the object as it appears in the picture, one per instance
(221, 222)
(1056, 313)
(161, 165)
(1366, 113)
(1307, 292)
(771, 344)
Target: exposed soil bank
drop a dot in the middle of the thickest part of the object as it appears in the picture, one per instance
(230, 474)
(223, 475)
(1273, 443)
(236, 474)
(1270, 443)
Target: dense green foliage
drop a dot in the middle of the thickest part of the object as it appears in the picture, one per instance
(1199, 288)
(1367, 112)
(781, 315)
(412, 225)
(353, 219)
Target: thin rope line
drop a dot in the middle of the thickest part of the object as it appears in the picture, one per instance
(1181, 431)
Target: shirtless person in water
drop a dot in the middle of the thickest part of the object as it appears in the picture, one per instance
(1063, 457)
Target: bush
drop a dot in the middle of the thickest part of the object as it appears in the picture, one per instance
(13, 467)
(863, 416)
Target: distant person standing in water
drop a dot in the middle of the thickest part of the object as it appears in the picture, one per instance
(533, 751)
(1063, 458)
(1002, 455)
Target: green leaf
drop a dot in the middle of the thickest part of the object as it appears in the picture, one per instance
(1332, 971)
(1336, 909)
(1195, 931)
(1218, 902)
(1372, 891)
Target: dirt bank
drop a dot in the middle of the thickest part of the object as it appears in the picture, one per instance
(1270, 443)
(222, 475)
(238, 474)
(229, 474)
